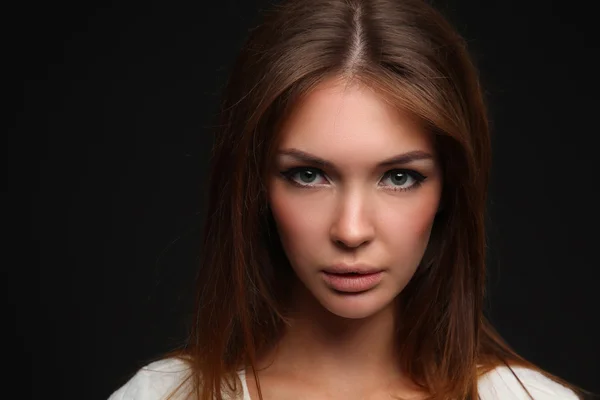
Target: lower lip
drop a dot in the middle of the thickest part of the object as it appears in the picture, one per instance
(352, 283)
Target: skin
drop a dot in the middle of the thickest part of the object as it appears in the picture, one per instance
(341, 345)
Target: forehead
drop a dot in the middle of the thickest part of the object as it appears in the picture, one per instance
(343, 122)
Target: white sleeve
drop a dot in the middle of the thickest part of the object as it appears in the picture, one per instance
(501, 383)
(153, 382)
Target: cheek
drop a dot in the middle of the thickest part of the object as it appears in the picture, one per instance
(409, 225)
(421, 221)
(300, 219)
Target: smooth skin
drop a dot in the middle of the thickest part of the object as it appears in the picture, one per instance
(347, 208)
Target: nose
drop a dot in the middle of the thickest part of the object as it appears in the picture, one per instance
(352, 226)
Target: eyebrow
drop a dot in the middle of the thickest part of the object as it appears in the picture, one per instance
(399, 159)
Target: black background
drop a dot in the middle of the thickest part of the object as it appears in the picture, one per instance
(108, 157)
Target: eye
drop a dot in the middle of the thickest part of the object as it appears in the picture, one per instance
(398, 179)
(303, 176)
(401, 179)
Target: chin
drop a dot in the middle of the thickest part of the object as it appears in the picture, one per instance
(356, 306)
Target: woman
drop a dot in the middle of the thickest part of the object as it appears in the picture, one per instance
(344, 250)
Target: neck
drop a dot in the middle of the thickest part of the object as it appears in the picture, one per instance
(319, 346)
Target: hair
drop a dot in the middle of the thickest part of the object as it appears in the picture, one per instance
(411, 55)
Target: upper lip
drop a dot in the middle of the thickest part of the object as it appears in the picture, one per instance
(347, 269)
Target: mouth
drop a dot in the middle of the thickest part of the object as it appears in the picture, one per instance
(352, 270)
(348, 273)
(352, 282)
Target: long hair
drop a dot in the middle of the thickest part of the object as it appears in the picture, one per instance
(416, 61)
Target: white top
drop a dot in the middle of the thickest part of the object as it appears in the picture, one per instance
(156, 381)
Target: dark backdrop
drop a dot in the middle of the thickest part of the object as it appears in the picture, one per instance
(109, 158)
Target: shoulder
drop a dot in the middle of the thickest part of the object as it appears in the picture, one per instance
(154, 381)
(502, 383)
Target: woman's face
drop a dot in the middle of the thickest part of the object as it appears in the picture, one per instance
(356, 186)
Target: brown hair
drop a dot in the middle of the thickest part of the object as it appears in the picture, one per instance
(413, 57)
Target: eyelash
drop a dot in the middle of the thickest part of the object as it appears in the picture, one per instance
(418, 178)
